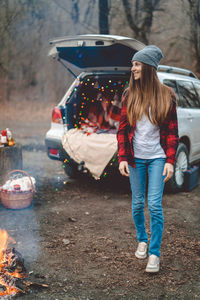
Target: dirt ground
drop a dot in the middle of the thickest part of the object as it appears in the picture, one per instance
(78, 236)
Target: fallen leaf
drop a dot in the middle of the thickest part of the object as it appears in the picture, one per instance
(66, 241)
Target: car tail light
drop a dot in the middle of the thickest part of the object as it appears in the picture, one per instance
(57, 116)
(54, 152)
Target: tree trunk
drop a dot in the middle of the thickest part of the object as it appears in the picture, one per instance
(195, 31)
(10, 159)
(103, 17)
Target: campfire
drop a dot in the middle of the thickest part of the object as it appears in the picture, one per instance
(12, 269)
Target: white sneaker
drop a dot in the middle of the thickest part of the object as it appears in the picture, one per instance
(141, 251)
(153, 264)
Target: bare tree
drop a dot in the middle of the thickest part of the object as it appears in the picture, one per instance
(75, 10)
(72, 10)
(194, 13)
(140, 15)
(18, 53)
(103, 17)
(9, 14)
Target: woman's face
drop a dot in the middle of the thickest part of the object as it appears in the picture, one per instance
(136, 69)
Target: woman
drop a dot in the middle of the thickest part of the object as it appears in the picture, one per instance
(147, 143)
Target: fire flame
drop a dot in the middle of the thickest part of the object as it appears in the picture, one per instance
(3, 243)
(5, 261)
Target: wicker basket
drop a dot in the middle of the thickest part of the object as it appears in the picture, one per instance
(16, 199)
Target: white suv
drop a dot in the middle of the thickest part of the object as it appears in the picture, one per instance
(106, 59)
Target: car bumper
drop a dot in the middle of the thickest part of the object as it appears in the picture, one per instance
(55, 150)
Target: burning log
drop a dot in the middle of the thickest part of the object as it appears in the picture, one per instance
(2, 288)
(16, 262)
(11, 283)
(12, 270)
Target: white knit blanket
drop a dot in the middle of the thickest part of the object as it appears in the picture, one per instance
(95, 150)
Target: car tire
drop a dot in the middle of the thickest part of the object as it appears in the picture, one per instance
(181, 165)
(70, 170)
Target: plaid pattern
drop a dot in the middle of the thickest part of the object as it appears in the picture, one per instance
(103, 117)
(115, 111)
(168, 136)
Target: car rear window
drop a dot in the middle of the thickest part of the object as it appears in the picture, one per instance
(187, 94)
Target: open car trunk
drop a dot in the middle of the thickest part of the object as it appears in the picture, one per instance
(95, 52)
(92, 116)
(95, 101)
(93, 104)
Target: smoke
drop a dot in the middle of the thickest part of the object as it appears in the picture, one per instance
(22, 225)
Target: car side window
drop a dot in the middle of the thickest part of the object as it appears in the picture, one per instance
(172, 84)
(188, 96)
(197, 88)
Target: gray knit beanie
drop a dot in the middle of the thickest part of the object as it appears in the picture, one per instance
(150, 55)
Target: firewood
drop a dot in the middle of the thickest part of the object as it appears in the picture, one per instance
(13, 265)
(16, 261)
(36, 284)
(2, 288)
(20, 284)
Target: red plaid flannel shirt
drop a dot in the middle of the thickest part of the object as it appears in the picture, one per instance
(168, 136)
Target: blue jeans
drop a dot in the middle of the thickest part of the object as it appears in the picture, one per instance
(137, 176)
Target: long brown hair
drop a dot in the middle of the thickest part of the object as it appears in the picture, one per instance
(148, 95)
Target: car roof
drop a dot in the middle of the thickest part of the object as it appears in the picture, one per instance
(175, 73)
(164, 75)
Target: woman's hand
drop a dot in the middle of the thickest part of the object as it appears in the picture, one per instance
(169, 171)
(123, 168)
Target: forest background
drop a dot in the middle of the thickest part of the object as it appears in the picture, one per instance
(28, 75)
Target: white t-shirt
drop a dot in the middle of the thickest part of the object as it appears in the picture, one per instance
(146, 140)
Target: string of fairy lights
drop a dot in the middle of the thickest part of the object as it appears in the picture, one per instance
(111, 87)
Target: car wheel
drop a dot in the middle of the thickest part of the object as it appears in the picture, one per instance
(181, 165)
(70, 170)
